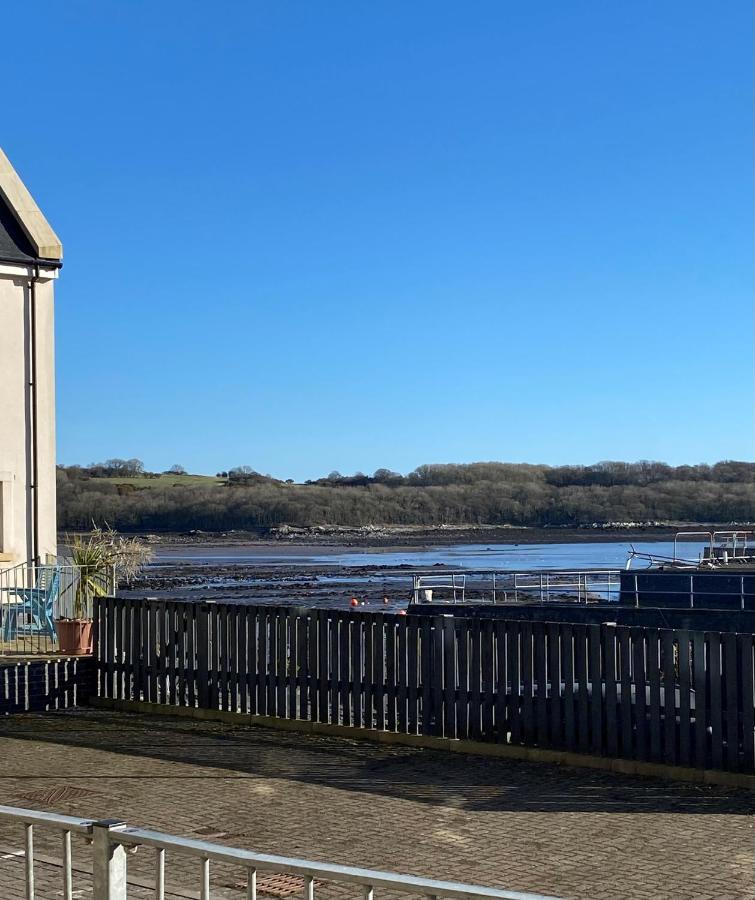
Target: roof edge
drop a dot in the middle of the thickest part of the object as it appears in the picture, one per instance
(26, 212)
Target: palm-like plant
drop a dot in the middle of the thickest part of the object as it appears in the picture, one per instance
(102, 556)
(95, 570)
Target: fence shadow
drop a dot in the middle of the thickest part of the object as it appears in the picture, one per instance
(675, 696)
(210, 749)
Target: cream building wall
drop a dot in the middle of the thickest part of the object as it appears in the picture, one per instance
(17, 443)
(29, 263)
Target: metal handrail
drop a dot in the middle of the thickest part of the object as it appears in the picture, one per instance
(506, 585)
(37, 817)
(263, 862)
(452, 581)
(692, 592)
(33, 597)
(110, 840)
(681, 534)
(731, 544)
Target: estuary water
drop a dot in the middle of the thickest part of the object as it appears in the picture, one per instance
(489, 557)
(337, 577)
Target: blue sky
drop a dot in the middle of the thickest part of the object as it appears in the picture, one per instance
(346, 235)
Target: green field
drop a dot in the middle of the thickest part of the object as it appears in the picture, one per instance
(163, 480)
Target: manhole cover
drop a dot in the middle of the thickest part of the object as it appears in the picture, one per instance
(55, 795)
(208, 831)
(280, 885)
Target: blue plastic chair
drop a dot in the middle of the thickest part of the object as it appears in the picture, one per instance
(36, 604)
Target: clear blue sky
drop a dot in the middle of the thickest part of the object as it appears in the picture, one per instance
(343, 235)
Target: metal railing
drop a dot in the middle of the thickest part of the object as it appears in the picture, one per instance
(425, 586)
(113, 841)
(723, 544)
(686, 588)
(34, 597)
(589, 585)
(720, 549)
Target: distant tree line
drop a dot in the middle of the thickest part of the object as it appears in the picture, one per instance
(475, 494)
(112, 468)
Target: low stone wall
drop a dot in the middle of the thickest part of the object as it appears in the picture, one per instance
(36, 685)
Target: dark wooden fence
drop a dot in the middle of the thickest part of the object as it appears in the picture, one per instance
(665, 695)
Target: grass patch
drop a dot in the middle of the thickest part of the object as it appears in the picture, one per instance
(163, 480)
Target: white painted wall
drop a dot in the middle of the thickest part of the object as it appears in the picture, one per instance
(16, 501)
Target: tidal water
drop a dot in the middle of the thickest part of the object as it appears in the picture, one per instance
(333, 577)
(490, 557)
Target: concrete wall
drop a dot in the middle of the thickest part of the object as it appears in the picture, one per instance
(16, 491)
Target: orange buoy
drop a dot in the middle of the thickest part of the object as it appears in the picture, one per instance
(354, 601)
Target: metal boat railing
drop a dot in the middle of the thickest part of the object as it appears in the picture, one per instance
(686, 591)
(583, 586)
(720, 549)
(109, 843)
(730, 547)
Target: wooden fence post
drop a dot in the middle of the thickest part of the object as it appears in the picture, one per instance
(203, 651)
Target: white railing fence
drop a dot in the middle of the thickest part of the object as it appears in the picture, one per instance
(109, 844)
(714, 549)
(588, 585)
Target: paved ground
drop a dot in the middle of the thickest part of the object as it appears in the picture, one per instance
(572, 833)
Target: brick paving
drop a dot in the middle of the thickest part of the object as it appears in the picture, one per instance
(568, 832)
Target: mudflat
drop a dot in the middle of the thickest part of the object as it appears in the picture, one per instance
(337, 570)
(333, 539)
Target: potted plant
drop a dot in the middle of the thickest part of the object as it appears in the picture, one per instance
(98, 559)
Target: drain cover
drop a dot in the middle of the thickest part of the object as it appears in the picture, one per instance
(274, 885)
(209, 831)
(280, 885)
(55, 795)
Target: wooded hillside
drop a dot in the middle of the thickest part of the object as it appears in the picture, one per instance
(474, 494)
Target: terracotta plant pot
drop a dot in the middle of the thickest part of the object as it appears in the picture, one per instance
(74, 636)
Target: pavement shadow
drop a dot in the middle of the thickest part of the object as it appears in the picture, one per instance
(474, 783)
